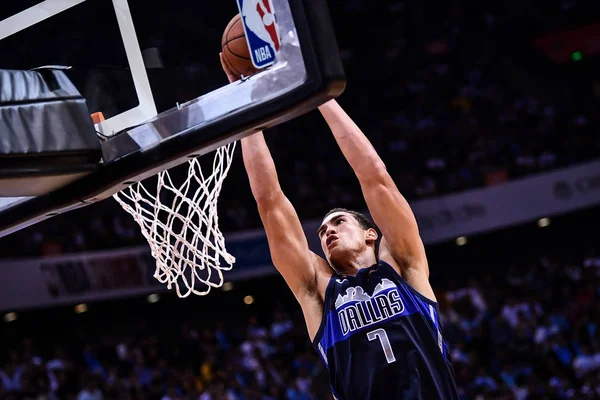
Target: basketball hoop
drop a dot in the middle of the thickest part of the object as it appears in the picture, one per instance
(181, 225)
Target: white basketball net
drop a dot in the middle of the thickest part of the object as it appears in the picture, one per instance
(181, 225)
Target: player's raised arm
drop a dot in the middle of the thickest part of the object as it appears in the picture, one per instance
(388, 207)
(302, 269)
(287, 242)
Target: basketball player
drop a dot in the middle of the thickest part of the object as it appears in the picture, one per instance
(369, 308)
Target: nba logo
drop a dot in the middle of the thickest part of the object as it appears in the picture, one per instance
(262, 32)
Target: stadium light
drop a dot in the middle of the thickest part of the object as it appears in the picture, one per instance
(81, 308)
(10, 317)
(543, 222)
(461, 240)
(153, 298)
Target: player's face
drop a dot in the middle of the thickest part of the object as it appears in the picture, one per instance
(341, 237)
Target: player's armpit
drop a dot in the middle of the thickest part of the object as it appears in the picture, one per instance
(394, 217)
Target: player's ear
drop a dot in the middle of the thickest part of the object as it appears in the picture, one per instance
(371, 235)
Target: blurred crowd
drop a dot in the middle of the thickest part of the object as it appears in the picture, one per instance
(525, 331)
(532, 335)
(229, 360)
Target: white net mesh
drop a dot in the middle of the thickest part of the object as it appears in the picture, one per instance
(181, 225)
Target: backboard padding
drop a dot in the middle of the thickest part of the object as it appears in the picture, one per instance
(146, 108)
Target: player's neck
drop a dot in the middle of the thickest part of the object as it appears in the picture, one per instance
(358, 262)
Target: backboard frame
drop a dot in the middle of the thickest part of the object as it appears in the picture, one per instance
(170, 139)
(146, 107)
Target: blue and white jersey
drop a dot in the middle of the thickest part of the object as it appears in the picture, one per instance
(381, 339)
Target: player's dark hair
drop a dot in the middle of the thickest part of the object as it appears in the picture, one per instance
(364, 222)
(362, 219)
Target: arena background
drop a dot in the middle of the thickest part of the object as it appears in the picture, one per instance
(487, 118)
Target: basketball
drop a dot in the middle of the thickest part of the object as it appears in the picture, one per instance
(236, 54)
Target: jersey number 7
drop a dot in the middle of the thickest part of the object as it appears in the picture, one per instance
(381, 334)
